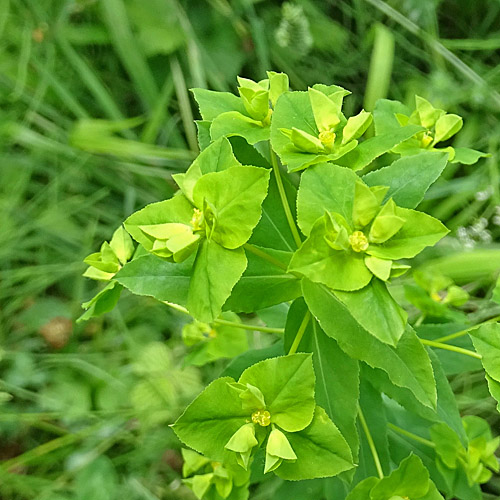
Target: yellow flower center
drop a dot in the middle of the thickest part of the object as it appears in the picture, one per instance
(426, 139)
(197, 219)
(261, 417)
(327, 138)
(358, 241)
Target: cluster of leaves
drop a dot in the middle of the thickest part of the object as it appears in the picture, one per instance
(239, 236)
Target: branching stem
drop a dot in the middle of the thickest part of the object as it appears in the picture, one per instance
(452, 348)
(264, 255)
(409, 434)
(461, 333)
(234, 324)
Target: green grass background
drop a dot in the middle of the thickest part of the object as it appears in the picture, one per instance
(95, 116)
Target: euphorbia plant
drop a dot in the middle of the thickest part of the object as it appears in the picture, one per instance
(349, 390)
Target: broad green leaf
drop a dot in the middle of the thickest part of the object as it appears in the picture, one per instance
(447, 126)
(376, 146)
(374, 308)
(446, 409)
(320, 448)
(486, 340)
(419, 231)
(264, 283)
(211, 419)
(287, 384)
(215, 158)
(407, 365)
(150, 275)
(494, 388)
(204, 138)
(236, 195)
(212, 104)
(468, 156)
(176, 209)
(239, 364)
(409, 177)
(273, 229)
(103, 302)
(325, 187)
(216, 270)
(410, 479)
(337, 375)
(235, 123)
(320, 263)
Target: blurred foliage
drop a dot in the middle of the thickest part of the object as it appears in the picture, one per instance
(95, 116)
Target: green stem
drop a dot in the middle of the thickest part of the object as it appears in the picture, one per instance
(453, 348)
(265, 329)
(371, 444)
(264, 255)
(244, 326)
(410, 435)
(461, 333)
(284, 199)
(300, 333)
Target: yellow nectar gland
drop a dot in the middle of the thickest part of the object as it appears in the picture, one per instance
(261, 417)
(327, 138)
(358, 241)
(436, 297)
(197, 219)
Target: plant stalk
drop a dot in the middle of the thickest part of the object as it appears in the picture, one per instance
(461, 333)
(244, 326)
(284, 199)
(452, 348)
(371, 444)
(264, 255)
(409, 434)
(300, 333)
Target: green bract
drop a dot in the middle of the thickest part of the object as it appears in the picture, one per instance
(248, 115)
(351, 388)
(105, 264)
(352, 234)
(409, 481)
(272, 405)
(477, 461)
(206, 220)
(438, 126)
(212, 480)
